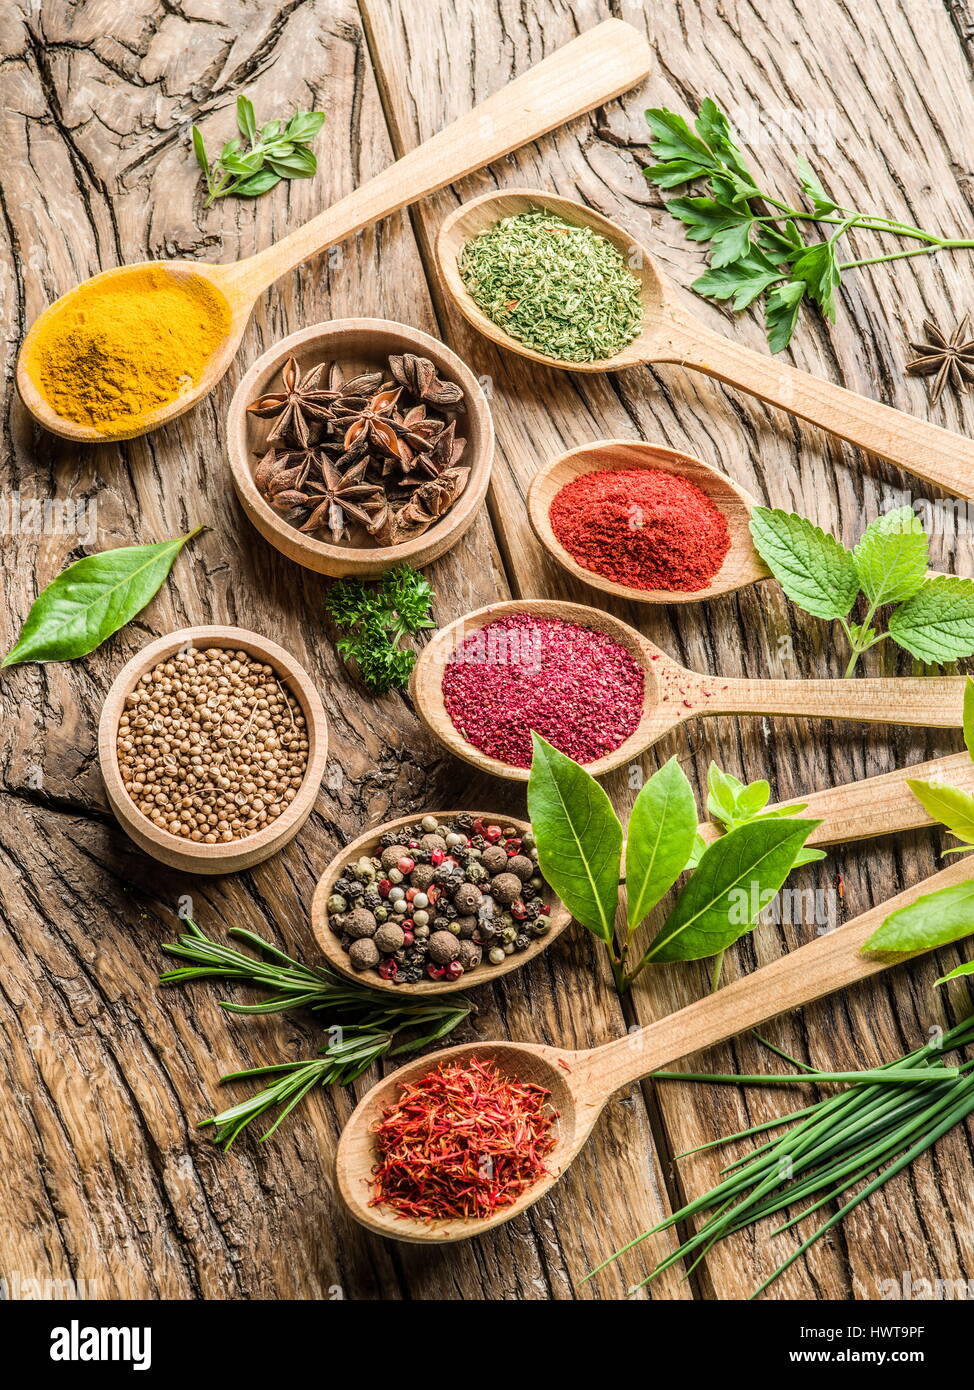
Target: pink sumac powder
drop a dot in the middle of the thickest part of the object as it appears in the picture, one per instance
(575, 686)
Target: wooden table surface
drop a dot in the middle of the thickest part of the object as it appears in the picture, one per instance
(106, 1178)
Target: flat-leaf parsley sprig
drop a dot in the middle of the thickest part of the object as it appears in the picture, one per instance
(259, 159)
(375, 618)
(756, 245)
(932, 618)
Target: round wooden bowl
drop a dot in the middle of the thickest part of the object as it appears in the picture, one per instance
(252, 849)
(360, 343)
(741, 565)
(367, 844)
(426, 682)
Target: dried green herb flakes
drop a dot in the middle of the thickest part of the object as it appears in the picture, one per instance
(563, 290)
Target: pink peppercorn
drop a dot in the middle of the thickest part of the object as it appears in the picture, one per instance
(576, 686)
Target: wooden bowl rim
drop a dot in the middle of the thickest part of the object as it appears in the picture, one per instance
(431, 659)
(650, 278)
(663, 457)
(302, 687)
(362, 558)
(338, 959)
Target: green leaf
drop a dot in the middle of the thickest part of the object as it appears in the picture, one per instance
(93, 598)
(814, 569)
(246, 120)
(304, 125)
(737, 877)
(714, 129)
(967, 969)
(891, 557)
(299, 164)
(199, 149)
(937, 624)
(819, 269)
(969, 716)
(257, 184)
(731, 243)
(950, 806)
(578, 836)
(242, 165)
(270, 131)
(781, 312)
(813, 190)
(674, 140)
(743, 281)
(662, 830)
(704, 217)
(936, 919)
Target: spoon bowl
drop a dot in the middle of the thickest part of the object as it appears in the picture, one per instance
(225, 281)
(672, 694)
(531, 1062)
(484, 974)
(741, 566)
(481, 213)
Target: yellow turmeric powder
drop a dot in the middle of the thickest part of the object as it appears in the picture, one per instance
(114, 352)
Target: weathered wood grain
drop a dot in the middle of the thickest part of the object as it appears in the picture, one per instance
(881, 83)
(108, 1179)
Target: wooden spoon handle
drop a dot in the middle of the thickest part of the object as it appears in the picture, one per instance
(828, 964)
(586, 72)
(925, 450)
(933, 701)
(876, 805)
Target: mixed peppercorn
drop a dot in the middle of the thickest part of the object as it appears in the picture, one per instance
(440, 898)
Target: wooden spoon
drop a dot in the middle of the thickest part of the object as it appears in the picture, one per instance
(670, 334)
(590, 70)
(581, 1082)
(742, 564)
(672, 694)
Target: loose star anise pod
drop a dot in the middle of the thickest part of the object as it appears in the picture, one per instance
(416, 432)
(418, 376)
(304, 403)
(447, 450)
(429, 502)
(952, 359)
(338, 496)
(370, 421)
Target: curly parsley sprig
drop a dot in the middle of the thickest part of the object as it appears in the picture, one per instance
(756, 247)
(376, 618)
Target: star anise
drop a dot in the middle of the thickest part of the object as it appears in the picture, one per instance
(370, 420)
(338, 496)
(418, 376)
(429, 502)
(952, 359)
(304, 402)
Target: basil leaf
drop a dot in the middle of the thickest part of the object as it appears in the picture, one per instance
(969, 716)
(814, 569)
(948, 805)
(937, 624)
(662, 830)
(936, 919)
(578, 836)
(304, 125)
(891, 557)
(299, 164)
(257, 184)
(246, 119)
(242, 164)
(93, 598)
(737, 877)
(200, 151)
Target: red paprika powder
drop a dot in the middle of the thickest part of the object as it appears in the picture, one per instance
(641, 527)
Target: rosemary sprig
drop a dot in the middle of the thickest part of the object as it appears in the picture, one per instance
(362, 1024)
(828, 1149)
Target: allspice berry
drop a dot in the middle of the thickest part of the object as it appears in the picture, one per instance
(522, 866)
(494, 859)
(505, 888)
(422, 876)
(390, 857)
(467, 899)
(363, 954)
(444, 947)
(360, 923)
(432, 842)
(469, 955)
(389, 938)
